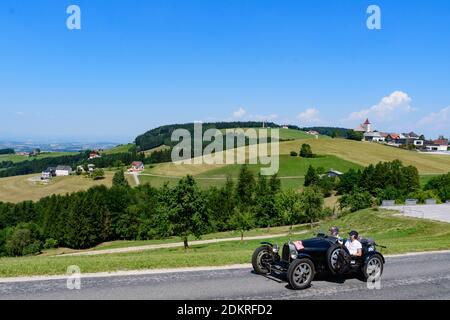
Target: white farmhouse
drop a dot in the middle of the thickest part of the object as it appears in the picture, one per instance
(62, 171)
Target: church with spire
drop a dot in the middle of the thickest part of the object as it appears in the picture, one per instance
(364, 127)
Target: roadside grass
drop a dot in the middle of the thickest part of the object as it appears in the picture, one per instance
(399, 234)
(217, 235)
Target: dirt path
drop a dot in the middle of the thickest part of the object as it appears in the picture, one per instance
(173, 245)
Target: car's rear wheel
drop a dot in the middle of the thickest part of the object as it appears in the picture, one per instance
(300, 273)
(373, 268)
(261, 257)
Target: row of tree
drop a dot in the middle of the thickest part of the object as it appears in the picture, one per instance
(85, 219)
(7, 151)
(105, 161)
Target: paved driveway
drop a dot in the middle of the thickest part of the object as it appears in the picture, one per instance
(440, 212)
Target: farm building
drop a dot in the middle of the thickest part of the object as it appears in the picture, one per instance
(334, 173)
(62, 171)
(48, 173)
(137, 166)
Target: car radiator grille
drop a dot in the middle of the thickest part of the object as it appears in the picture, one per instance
(286, 252)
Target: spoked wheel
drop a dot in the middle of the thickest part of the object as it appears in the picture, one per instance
(374, 267)
(332, 258)
(260, 259)
(300, 273)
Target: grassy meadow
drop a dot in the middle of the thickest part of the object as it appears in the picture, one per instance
(27, 187)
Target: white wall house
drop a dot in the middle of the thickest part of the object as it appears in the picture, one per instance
(437, 148)
(62, 171)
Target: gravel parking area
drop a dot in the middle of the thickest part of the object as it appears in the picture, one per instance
(439, 212)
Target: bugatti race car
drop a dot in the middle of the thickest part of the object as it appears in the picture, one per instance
(302, 260)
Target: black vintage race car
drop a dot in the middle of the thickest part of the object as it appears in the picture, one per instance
(302, 260)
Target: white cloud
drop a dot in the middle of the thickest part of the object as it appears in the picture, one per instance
(389, 108)
(311, 115)
(437, 120)
(20, 113)
(240, 113)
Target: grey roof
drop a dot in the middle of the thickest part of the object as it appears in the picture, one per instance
(64, 168)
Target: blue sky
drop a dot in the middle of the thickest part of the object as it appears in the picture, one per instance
(136, 65)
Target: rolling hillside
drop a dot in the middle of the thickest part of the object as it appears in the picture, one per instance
(21, 188)
(365, 153)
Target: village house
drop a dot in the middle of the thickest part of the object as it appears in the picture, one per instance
(137, 166)
(94, 155)
(48, 173)
(334, 173)
(440, 144)
(312, 132)
(62, 171)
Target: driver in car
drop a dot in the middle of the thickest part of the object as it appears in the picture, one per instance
(353, 246)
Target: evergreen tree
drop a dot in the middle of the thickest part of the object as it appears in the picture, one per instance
(311, 177)
(119, 179)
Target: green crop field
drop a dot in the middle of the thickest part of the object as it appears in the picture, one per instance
(292, 171)
(19, 158)
(123, 148)
(399, 234)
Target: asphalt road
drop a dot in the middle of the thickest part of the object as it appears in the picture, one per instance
(424, 276)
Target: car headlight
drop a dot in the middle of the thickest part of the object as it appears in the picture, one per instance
(275, 249)
(294, 254)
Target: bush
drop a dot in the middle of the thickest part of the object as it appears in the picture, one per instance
(327, 212)
(306, 151)
(294, 154)
(422, 196)
(50, 243)
(32, 248)
(356, 200)
(22, 241)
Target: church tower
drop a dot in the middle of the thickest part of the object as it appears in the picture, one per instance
(368, 126)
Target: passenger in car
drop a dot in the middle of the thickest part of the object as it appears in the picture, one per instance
(353, 246)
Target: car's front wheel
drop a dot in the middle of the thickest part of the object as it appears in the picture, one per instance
(260, 258)
(300, 273)
(373, 269)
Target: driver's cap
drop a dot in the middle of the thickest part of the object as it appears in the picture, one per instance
(353, 233)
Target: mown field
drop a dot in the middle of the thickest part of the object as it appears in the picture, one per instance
(21, 188)
(365, 153)
(399, 234)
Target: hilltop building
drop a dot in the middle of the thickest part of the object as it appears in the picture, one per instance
(365, 127)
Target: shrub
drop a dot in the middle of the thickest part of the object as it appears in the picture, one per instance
(306, 151)
(50, 243)
(356, 200)
(32, 248)
(294, 154)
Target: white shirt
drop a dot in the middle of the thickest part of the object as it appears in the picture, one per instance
(353, 246)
